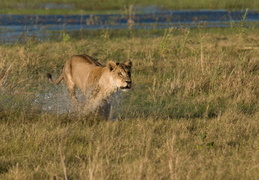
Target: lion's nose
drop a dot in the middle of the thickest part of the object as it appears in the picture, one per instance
(128, 83)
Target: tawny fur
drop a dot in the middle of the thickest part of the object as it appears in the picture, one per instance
(97, 81)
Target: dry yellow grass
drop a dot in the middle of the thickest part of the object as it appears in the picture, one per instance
(192, 114)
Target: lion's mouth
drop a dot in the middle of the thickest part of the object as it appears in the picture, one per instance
(126, 87)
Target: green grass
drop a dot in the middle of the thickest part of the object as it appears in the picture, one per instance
(192, 112)
(108, 6)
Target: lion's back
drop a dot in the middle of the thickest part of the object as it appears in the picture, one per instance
(83, 58)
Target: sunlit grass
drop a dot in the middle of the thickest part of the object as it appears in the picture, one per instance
(192, 112)
(109, 6)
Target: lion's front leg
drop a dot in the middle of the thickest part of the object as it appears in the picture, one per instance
(107, 110)
(94, 102)
(101, 104)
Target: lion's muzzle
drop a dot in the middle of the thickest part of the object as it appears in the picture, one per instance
(128, 86)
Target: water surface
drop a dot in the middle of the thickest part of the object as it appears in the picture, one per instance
(42, 27)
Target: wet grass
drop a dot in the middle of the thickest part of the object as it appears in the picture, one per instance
(109, 6)
(192, 112)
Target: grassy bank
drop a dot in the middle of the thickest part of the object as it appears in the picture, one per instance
(108, 6)
(192, 112)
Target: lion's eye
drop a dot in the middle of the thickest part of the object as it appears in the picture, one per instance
(120, 74)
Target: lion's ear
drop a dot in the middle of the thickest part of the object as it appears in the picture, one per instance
(128, 63)
(111, 65)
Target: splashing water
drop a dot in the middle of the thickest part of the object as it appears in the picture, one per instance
(58, 100)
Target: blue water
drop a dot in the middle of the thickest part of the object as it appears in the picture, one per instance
(42, 27)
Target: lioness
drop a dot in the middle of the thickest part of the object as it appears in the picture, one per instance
(98, 82)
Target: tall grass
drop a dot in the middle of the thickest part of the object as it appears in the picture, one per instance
(192, 112)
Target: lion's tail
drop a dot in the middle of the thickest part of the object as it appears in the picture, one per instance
(49, 76)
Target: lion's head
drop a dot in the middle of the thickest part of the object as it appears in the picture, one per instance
(120, 74)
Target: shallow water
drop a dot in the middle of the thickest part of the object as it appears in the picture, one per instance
(42, 27)
(56, 99)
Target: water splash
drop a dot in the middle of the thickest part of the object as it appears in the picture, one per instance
(57, 100)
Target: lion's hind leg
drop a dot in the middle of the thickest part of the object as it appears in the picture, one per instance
(71, 86)
(67, 72)
(71, 89)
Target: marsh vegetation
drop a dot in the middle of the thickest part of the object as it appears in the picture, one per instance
(115, 6)
(192, 112)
